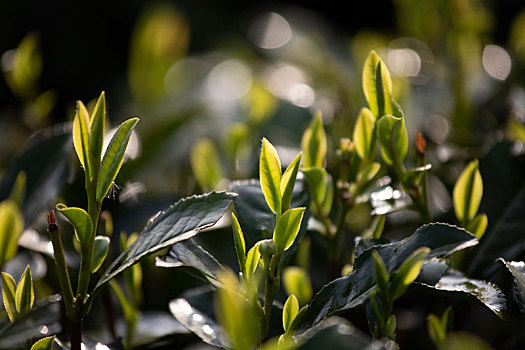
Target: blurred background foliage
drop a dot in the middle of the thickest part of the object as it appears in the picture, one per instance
(209, 79)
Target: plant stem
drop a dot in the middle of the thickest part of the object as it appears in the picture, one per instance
(271, 288)
(63, 275)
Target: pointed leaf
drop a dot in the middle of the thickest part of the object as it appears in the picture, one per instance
(96, 132)
(18, 192)
(517, 269)
(9, 296)
(287, 228)
(364, 133)
(181, 221)
(81, 136)
(113, 157)
(297, 282)
(413, 177)
(11, 226)
(377, 87)
(288, 182)
(392, 134)
(478, 225)
(190, 254)
(408, 272)
(468, 191)
(100, 251)
(353, 290)
(314, 143)
(252, 260)
(290, 310)
(381, 276)
(80, 221)
(44, 344)
(240, 246)
(435, 329)
(270, 176)
(205, 163)
(321, 186)
(25, 296)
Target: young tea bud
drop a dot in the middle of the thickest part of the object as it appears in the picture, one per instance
(267, 248)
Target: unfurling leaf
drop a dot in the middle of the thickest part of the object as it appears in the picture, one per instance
(407, 272)
(287, 228)
(297, 282)
(81, 136)
(314, 143)
(290, 310)
(364, 133)
(377, 86)
(25, 295)
(113, 157)
(80, 221)
(205, 163)
(96, 132)
(288, 182)
(270, 176)
(467, 193)
(11, 226)
(100, 251)
(9, 296)
(240, 245)
(393, 136)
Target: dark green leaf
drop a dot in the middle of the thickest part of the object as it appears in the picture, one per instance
(113, 157)
(190, 254)
(352, 290)
(179, 222)
(517, 269)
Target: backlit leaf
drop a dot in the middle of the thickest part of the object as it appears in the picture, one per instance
(240, 245)
(468, 191)
(113, 157)
(297, 282)
(81, 136)
(288, 182)
(205, 163)
(287, 228)
(314, 143)
(100, 251)
(392, 134)
(408, 272)
(270, 176)
(290, 310)
(478, 225)
(11, 226)
(321, 186)
(44, 344)
(96, 131)
(364, 133)
(9, 296)
(377, 87)
(80, 221)
(25, 295)
(252, 260)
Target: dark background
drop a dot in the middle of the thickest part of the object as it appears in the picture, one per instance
(85, 44)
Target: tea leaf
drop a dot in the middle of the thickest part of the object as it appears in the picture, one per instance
(24, 295)
(100, 251)
(290, 310)
(313, 143)
(517, 269)
(392, 133)
(321, 186)
(18, 192)
(381, 276)
(44, 344)
(11, 226)
(252, 260)
(240, 246)
(96, 132)
(190, 254)
(81, 136)
(467, 194)
(205, 163)
(478, 225)
(297, 282)
(113, 157)
(80, 221)
(288, 182)
(270, 176)
(287, 228)
(364, 132)
(179, 222)
(377, 87)
(352, 290)
(9, 296)
(408, 272)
